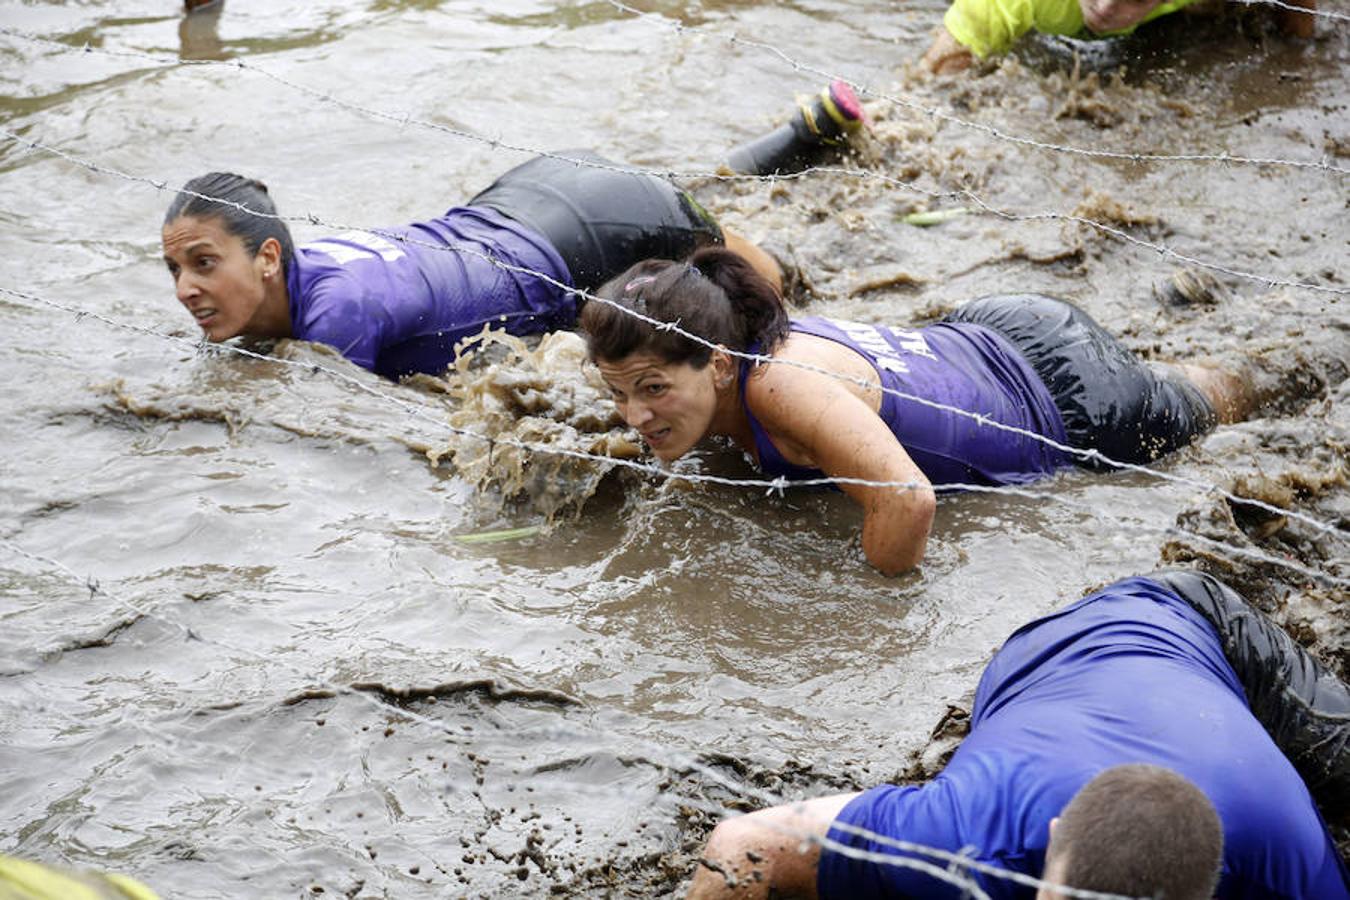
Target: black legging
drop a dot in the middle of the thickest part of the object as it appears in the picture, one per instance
(1304, 707)
(1110, 400)
(601, 220)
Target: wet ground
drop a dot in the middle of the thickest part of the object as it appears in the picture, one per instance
(564, 670)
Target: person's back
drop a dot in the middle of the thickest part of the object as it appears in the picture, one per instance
(1129, 675)
(936, 376)
(398, 301)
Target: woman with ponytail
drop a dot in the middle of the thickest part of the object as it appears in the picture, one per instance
(399, 300)
(989, 396)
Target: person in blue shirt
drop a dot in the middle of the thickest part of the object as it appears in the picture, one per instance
(398, 300)
(1156, 738)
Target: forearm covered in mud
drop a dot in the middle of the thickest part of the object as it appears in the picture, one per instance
(896, 523)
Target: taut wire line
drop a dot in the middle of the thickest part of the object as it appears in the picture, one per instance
(1319, 13)
(776, 485)
(1086, 454)
(865, 174)
(406, 119)
(989, 130)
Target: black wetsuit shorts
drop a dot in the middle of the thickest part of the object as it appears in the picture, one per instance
(1302, 705)
(601, 220)
(1110, 400)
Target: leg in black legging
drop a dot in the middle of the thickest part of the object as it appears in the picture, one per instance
(1109, 399)
(1304, 707)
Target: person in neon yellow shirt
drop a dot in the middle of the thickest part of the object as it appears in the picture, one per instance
(985, 27)
(24, 880)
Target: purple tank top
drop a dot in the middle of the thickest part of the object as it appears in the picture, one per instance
(955, 364)
(399, 306)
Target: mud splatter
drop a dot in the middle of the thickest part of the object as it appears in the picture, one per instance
(549, 396)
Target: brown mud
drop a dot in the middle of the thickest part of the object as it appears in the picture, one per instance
(645, 658)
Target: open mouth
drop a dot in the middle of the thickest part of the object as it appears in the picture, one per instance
(204, 316)
(654, 438)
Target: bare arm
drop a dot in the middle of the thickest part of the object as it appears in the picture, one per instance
(758, 257)
(817, 420)
(946, 55)
(770, 853)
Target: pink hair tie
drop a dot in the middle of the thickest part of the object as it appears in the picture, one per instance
(638, 282)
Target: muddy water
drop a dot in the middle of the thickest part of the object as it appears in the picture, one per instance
(279, 532)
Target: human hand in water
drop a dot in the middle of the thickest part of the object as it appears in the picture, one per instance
(947, 55)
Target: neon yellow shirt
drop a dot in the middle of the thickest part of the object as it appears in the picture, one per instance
(991, 26)
(23, 880)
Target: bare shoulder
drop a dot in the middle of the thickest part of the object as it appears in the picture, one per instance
(798, 371)
(809, 372)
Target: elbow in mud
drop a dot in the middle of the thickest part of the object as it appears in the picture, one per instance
(895, 557)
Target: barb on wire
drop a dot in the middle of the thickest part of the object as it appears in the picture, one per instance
(660, 755)
(1085, 454)
(996, 133)
(776, 485)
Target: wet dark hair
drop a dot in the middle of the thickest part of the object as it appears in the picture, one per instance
(234, 189)
(1139, 830)
(716, 295)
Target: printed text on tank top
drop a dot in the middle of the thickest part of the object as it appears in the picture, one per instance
(353, 245)
(924, 375)
(884, 353)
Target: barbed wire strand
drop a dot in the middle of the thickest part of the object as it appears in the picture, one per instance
(406, 119)
(863, 174)
(403, 120)
(665, 756)
(1088, 455)
(1111, 231)
(1318, 13)
(775, 485)
(980, 202)
(883, 858)
(1159, 248)
(996, 133)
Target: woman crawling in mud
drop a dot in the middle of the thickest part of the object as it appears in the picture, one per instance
(399, 300)
(1042, 384)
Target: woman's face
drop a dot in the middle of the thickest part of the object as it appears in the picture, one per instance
(670, 404)
(214, 275)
